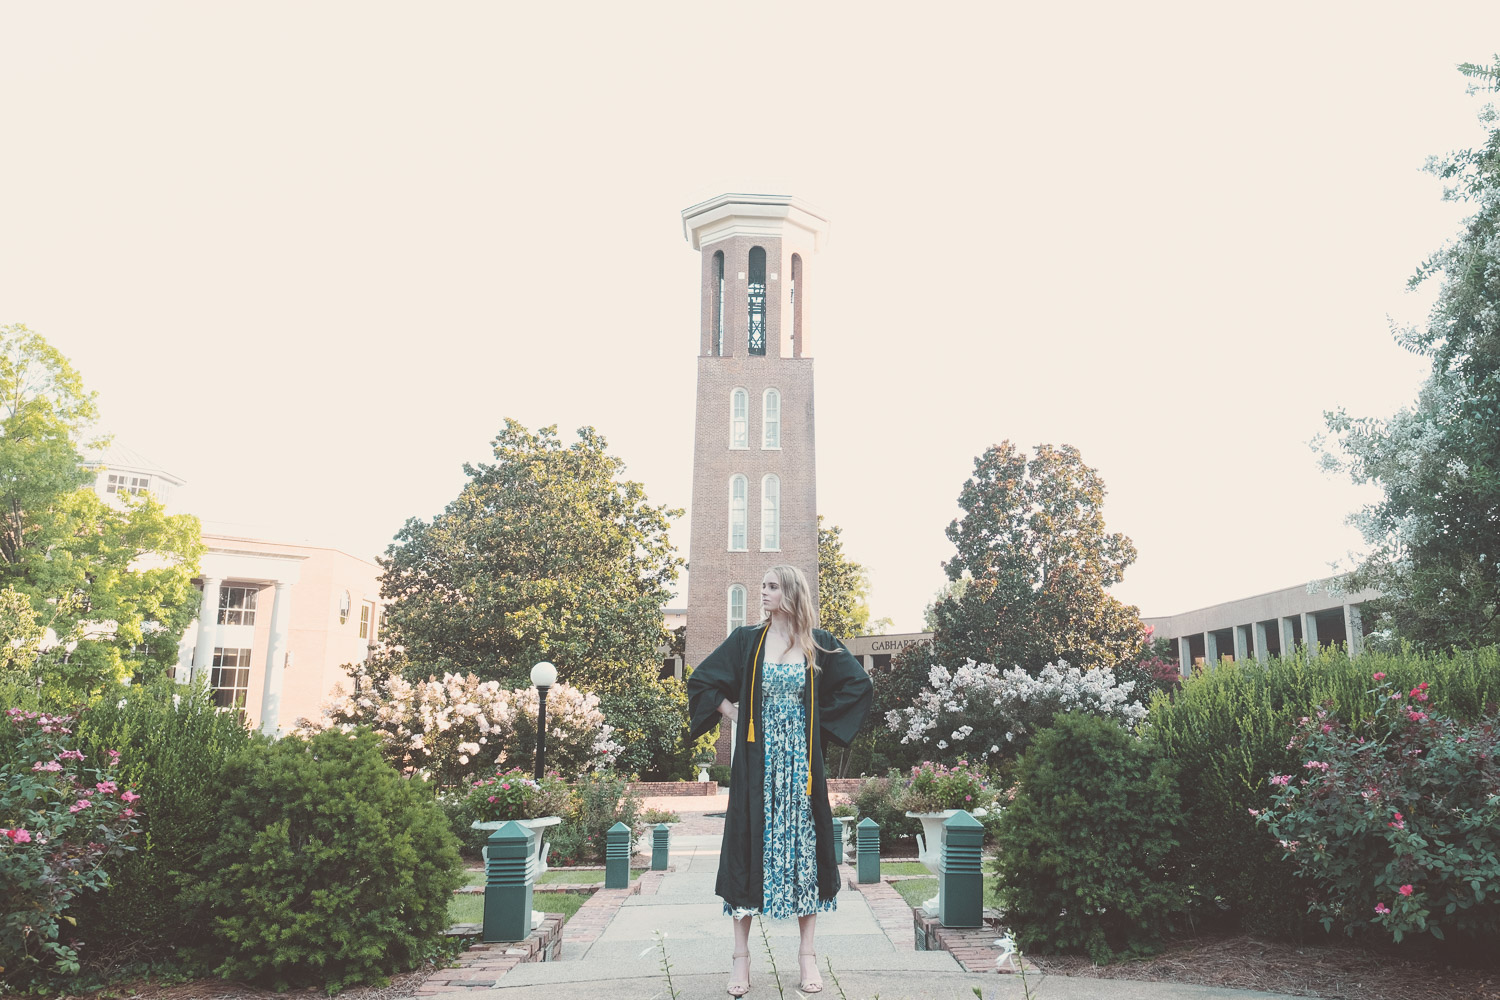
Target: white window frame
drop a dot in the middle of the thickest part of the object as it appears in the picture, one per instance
(736, 590)
(367, 620)
(739, 424)
(770, 420)
(770, 513)
(238, 695)
(122, 484)
(246, 609)
(743, 513)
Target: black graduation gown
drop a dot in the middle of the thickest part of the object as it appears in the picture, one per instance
(844, 694)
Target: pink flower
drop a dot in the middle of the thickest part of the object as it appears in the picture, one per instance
(114, 756)
(506, 786)
(1381, 908)
(128, 796)
(1380, 675)
(1406, 889)
(968, 798)
(1316, 765)
(106, 787)
(1290, 845)
(128, 813)
(80, 805)
(494, 799)
(51, 765)
(1281, 779)
(1416, 716)
(20, 836)
(70, 755)
(1254, 812)
(1399, 824)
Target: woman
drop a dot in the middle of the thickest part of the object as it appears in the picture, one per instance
(798, 686)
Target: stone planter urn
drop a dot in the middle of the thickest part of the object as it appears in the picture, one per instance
(930, 843)
(536, 826)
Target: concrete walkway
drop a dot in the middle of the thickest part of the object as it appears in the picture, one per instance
(625, 961)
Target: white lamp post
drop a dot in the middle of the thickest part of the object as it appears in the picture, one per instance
(543, 675)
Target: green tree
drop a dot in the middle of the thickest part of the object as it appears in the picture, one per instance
(1435, 535)
(1031, 543)
(548, 554)
(112, 581)
(843, 588)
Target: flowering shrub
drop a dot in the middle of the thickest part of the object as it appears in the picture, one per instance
(61, 815)
(1395, 820)
(514, 794)
(994, 713)
(454, 728)
(600, 801)
(933, 787)
(1084, 847)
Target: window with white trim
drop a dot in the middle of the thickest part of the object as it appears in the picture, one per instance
(770, 420)
(738, 504)
(770, 514)
(237, 605)
(230, 678)
(739, 419)
(121, 483)
(736, 607)
(367, 620)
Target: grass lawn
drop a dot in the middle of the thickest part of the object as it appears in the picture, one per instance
(917, 891)
(903, 868)
(566, 876)
(469, 909)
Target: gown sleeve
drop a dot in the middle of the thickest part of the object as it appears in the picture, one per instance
(719, 676)
(844, 693)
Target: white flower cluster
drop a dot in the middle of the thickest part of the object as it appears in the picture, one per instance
(461, 725)
(1000, 707)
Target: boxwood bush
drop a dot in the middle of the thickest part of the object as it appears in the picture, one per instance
(330, 868)
(1085, 846)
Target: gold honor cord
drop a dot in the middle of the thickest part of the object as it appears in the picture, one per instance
(812, 691)
(754, 663)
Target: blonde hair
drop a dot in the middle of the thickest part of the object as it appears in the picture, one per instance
(797, 605)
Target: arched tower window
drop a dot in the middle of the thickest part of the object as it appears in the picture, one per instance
(798, 293)
(739, 419)
(770, 514)
(718, 293)
(771, 419)
(757, 300)
(737, 514)
(736, 607)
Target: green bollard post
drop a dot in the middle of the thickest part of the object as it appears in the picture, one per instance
(507, 884)
(838, 840)
(868, 867)
(661, 839)
(617, 857)
(960, 876)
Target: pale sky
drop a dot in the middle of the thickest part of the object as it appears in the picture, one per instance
(311, 255)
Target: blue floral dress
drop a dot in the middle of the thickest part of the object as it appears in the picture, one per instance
(790, 862)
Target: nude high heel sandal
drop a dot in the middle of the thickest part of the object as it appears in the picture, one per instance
(739, 987)
(814, 982)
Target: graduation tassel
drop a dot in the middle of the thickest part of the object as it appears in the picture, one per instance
(754, 664)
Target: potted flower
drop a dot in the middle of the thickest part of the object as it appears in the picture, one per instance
(516, 796)
(934, 792)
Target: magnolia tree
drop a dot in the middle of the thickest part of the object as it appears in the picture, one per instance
(984, 712)
(452, 729)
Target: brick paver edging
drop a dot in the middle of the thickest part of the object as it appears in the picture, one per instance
(891, 911)
(482, 965)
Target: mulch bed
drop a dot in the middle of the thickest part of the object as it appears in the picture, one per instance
(1334, 971)
(401, 986)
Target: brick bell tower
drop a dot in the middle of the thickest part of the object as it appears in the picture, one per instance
(754, 485)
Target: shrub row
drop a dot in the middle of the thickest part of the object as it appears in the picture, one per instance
(1360, 795)
(287, 862)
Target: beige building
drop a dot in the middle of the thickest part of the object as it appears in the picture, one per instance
(278, 622)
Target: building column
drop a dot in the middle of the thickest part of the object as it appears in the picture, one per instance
(1261, 652)
(208, 629)
(1310, 632)
(1241, 643)
(1354, 630)
(868, 659)
(1185, 656)
(1210, 650)
(1288, 637)
(276, 654)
